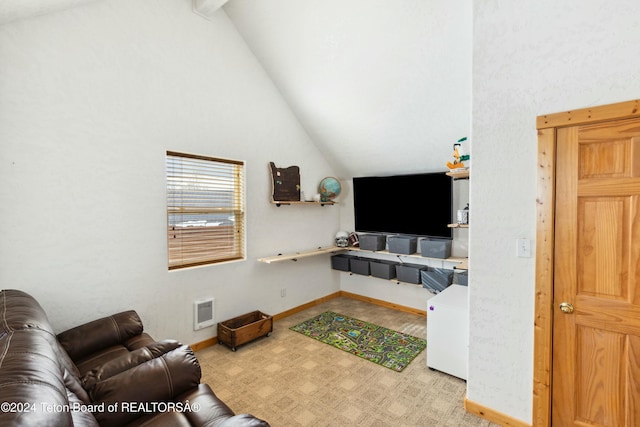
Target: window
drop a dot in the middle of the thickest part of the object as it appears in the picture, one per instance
(205, 210)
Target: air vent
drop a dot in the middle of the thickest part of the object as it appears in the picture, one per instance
(203, 314)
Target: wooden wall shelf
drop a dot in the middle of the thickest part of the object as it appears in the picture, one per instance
(458, 225)
(464, 265)
(458, 174)
(416, 255)
(298, 255)
(334, 249)
(295, 202)
(461, 263)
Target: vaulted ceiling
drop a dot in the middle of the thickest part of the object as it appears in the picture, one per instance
(13, 10)
(381, 87)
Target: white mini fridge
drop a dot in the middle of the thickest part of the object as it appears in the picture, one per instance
(448, 331)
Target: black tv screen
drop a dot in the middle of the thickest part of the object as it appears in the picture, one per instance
(417, 204)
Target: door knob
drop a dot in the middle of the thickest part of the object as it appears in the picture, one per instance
(566, 308)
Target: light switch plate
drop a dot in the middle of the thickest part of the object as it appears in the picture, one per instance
(523, 248)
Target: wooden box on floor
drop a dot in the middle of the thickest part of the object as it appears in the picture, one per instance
(245, 328)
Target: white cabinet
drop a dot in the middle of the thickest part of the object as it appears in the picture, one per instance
(448, 331)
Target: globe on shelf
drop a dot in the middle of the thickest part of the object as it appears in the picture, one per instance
(329, 188)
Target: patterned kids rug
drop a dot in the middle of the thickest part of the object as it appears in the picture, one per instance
(386, 347)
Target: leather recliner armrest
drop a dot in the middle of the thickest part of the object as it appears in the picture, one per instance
(146, 386)
(244, 420)
(127, 361)
(99, 334)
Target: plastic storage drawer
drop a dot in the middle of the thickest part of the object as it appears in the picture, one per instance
(409, 273)
(435, 248)
(359, 266)
(372, 242)
(402, 244)
(383, 269)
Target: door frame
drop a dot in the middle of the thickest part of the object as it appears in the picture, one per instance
(547, 126)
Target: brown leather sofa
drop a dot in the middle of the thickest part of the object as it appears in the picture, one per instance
(104, 373)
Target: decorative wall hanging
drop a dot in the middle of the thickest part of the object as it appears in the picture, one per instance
(286, 183)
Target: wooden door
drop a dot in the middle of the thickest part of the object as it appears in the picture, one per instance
(596, 347)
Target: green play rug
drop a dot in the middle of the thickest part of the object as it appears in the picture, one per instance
(386, 347)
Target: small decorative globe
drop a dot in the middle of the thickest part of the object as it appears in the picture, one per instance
(329, 188)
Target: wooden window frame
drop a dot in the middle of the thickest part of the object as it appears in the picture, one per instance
(205, 210)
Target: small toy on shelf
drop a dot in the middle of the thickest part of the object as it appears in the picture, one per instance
(342, 239)
(460, 155)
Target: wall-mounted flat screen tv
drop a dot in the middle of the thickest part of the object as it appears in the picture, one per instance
(416, 204)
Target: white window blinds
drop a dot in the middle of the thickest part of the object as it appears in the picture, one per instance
(205, 210)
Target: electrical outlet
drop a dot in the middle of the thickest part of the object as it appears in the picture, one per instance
(283, 292)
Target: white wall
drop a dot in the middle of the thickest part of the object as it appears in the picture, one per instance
(529, 58)
(91, 100)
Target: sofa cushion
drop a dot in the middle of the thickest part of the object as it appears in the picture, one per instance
(146, 386)
(92, 337)
(126, 361)
(32, 381)
(19, 310)
(210, 407)
(74, 385)
(213, 411)
(80, 413)
(201, 407)
(107, 354)
(243, 420)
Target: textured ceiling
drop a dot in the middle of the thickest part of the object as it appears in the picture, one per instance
(13, 10)
(380, 87)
